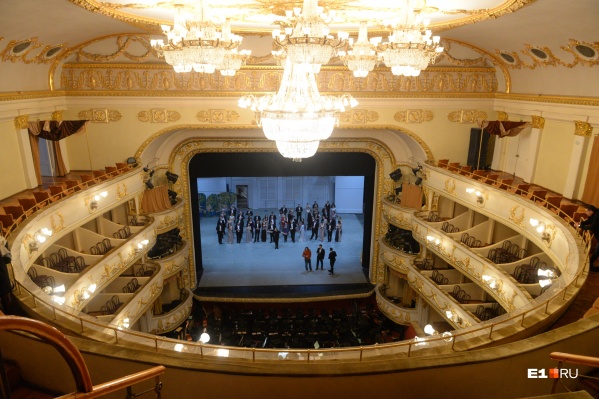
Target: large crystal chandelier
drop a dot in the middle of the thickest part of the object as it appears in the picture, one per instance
(305, 37)
(297, 117)
(362, 58)
(195, 43)
(411, 47)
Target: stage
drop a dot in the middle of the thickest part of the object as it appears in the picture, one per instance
(258, 270)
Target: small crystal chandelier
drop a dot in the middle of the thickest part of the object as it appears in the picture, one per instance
(410, 48)
(297, 117)
(362, 58)
(195, 43)
(306, 37)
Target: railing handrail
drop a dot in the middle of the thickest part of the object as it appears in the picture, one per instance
(575, 359)
(64, 193)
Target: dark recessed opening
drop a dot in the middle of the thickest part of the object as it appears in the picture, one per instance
(539, 53)
(508, 58)
(52, 52)
(586, 51)
(19, 48)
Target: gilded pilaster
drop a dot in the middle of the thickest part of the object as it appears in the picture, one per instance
(538, 122)
(502, 116)
(583, 129)
(21, 122)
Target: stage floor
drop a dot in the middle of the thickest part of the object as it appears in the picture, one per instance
(235, 268)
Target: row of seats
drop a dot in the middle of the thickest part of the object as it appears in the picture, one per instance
(552, 201)
(15, 214)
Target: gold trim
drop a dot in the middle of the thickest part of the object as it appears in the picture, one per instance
(158, 116)
(551, 59)
(502, 116)
(282, 300)
(583, 129)
(217, 116)
(517, 215)
(538, 122)
(414, 116)
(466, 116)
(22, 122)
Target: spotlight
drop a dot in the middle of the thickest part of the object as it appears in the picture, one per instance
(395, 175)
(172, 194)
(398, 190)
(149, 185)
(418, 181)
(416, 170)
(172, 177)
(146, 169)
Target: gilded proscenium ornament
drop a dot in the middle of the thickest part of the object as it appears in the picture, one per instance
(217, 116)
(414, 116)
(158, 116)
(538, 122)
(583, 129)
(22, 122)
(359, 116)
(57, 116)
(466, 116)
(98, 115)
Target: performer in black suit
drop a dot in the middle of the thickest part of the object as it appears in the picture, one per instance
(292, 228)
(330, 229)
(239, 230)
(299, 212)
(314, 228)
(320, 257)
(257, 228)
(275, 237)
(221, 225)
(283, 210)
(332, 259)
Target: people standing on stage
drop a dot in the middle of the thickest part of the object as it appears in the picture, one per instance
(264, 229)
(292, 228)
(232, 211)
(307, 255)
(299, 212)
(330, 229)
(272, 226)
(309, 222)
(302, 231)
(221, 226)
(257, 228)
(338, 231)
(320, 257)
(230, 231)
(284, 229)
(332, 259)
(333, 211)
(275, 237)
(239, 230)
(249, 230)
(314, 227)
(283, 210)
(322, 228)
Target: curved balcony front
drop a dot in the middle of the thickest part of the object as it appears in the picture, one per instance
(396, 313)
(166, 322)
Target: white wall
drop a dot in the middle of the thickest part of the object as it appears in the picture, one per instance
(349, 194)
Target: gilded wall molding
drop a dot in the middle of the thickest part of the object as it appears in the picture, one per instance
(262, 80)
(583, 129)
(100, 115)
(359, 116)
(543, 56)
(466, 116)
(217, 116)
(538, 122)
(158, 116)
(414, 116)
(44, 54)
(22, 122)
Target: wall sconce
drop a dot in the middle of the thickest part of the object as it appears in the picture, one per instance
(58, 299)
(549, 275)
(221, 352)
(433, 241)
(448, 336)
(93, 205)
(141, 245)
(39, 237)
(204, 337)
(54, 290)
(490, 281)
(124, 324)
(453, 317)
(544, 229)
(481, 195)
(179, 347)
(430, 330)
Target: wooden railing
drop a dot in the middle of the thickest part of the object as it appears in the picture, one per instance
(571, 358)
(76, 363)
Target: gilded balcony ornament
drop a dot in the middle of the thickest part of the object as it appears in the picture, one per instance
(450, 186)
(517, 215)
(56, 227)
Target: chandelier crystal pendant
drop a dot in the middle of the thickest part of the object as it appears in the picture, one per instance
(411, 48)
(362, 58)
(305, 37)
(195, 43)
(297, 117)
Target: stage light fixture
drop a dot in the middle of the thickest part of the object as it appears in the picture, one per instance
(395, 175)
(172, 177)
(416, 170)
(418, 181)
(149, 185)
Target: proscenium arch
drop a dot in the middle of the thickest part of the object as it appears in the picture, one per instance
(182, 152)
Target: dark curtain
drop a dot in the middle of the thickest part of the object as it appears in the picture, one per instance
(53, 131)
(591, 188)
(504, 128)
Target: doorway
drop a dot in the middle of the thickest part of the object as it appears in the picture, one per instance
(47, 158)
(242, 196)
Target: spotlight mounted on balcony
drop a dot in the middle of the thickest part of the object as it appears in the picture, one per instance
(547, 231)
(171, 177)
(93, 204)
(149, 185)
(395, 175)
(480, 195)
(39, 237)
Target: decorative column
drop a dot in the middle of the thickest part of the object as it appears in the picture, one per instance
(21, 125)
(582, 133)
(500, 150)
